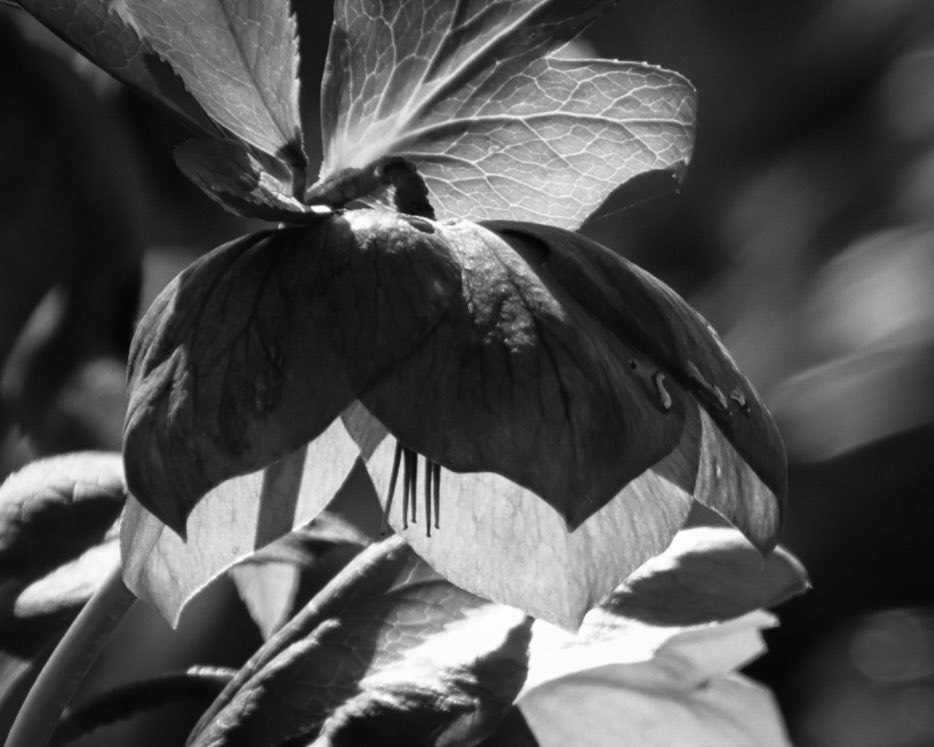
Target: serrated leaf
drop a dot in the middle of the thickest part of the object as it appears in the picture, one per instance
(465, 92)
(97, 30)
(394, 655)
(239, 58)
(241, 180)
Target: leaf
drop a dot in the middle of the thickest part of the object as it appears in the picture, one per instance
(257, 347)
(707, 575)
(498, 130)
(390, 653)
(98, 30)
(54, 509)
(242, 181)
(239, 58)
(647, 684)
(730, 710)
(278, 580)
(57, 545)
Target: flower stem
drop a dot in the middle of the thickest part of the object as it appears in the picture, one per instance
(69, 663)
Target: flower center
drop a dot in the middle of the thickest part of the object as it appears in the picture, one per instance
(408, 459)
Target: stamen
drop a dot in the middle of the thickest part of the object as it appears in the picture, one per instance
(405, 489)
(428, 471)
(412, 473)
(436, 479)
(384, 524)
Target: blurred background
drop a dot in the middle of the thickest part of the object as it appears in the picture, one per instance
(804, 232)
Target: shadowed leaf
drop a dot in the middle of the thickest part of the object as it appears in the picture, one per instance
(54, 509)
(390, 654)
(239, 58)
(498, 130)
(242, 181)
(97, 30)
(57, 545)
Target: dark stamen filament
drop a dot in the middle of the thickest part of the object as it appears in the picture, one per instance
(436, 479)
(428, 472)
(384, 525)
(412, 474)
(432, 490)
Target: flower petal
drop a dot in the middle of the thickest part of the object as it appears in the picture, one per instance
(518, 378)
(257, 347)
(233, 520)
(640, 309)
(501, 541)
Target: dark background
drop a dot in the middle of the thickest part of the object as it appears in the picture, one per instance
(804, 231)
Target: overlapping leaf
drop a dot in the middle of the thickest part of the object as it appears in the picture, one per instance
(110, 40)
(390, 653)
(498, 130)
(388, 648)
(656, 663)
(239, 58)
(57, 546)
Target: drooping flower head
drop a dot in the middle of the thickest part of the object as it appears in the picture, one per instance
(560, 407)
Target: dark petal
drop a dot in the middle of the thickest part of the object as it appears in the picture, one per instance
(255, 348)
(522, 379)
(640, 310)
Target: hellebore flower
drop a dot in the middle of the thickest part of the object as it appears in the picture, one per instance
(568, 406)
(533, 365)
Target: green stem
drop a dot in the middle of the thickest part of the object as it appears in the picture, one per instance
(69, 663)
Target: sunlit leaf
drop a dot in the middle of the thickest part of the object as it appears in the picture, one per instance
(644, 684)
(706, 575)
(392, 654)
(240, 180)
(239, 58)
(98, 30)
(464, 91)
